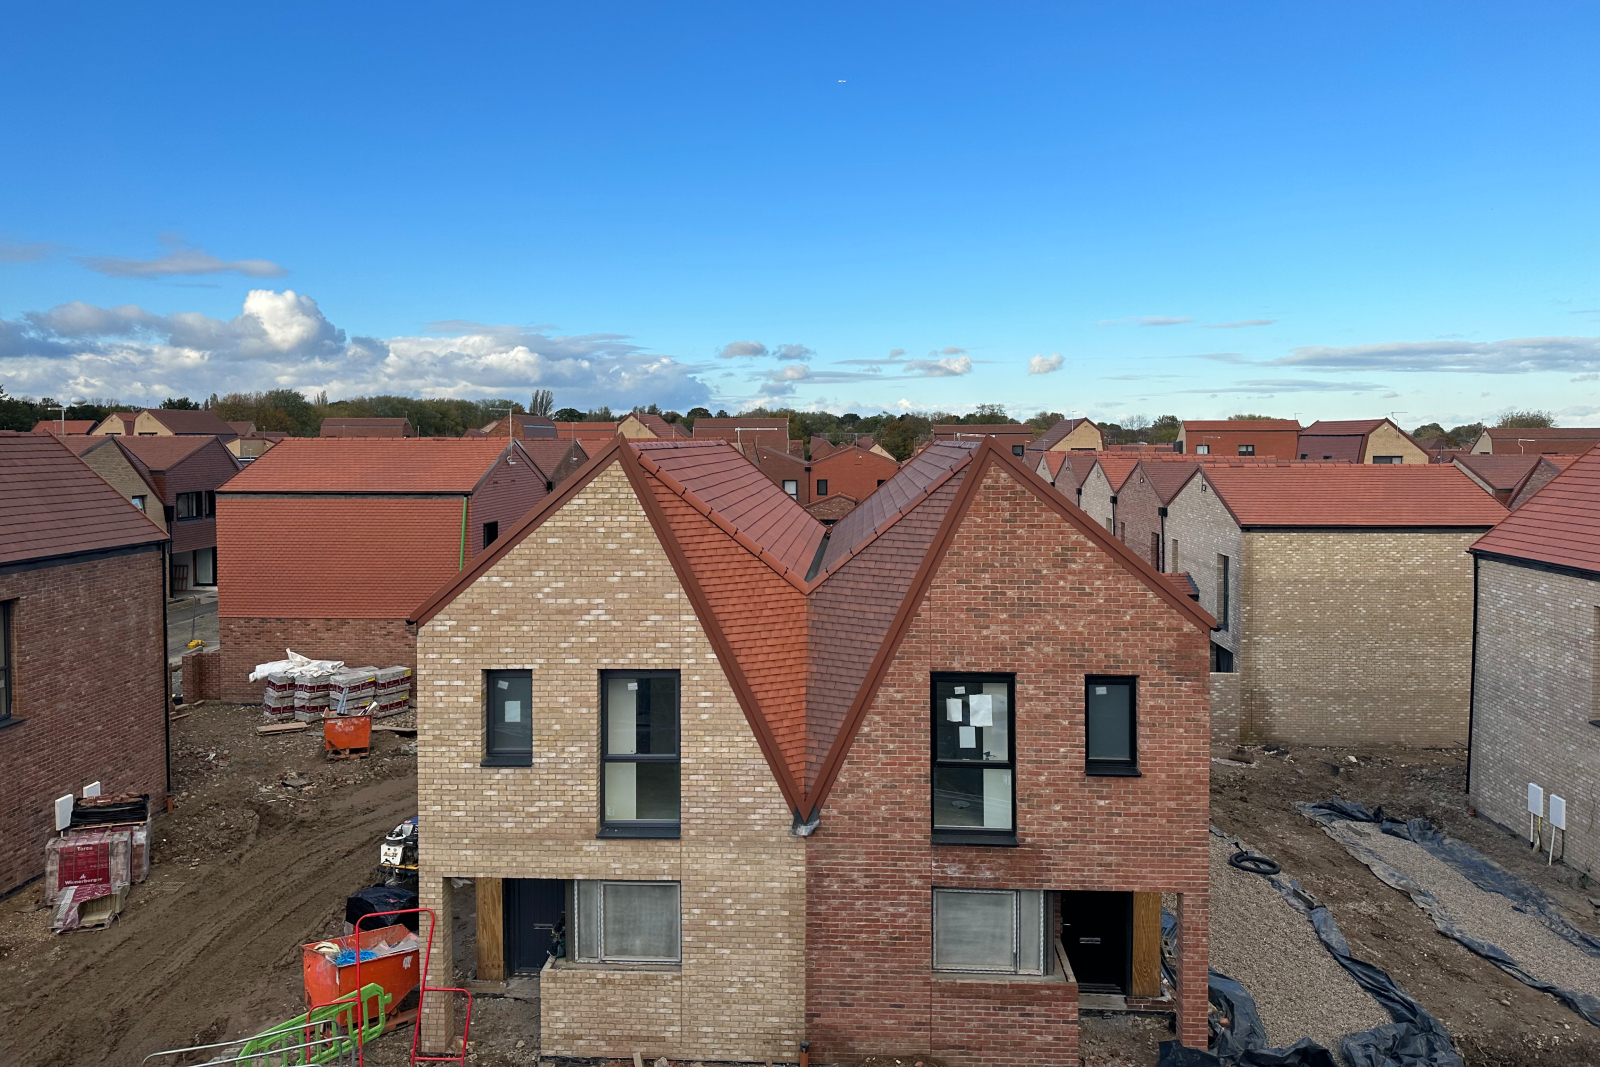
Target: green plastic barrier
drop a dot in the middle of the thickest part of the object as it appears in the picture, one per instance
(282, 1045)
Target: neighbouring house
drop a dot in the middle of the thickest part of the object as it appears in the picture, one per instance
(1013, 435)
(126, 472)
(1278, 438)
(1343, 598)
(83, 661)
(1361, 441)
(1097, 493)
(1512, 480)
(787, 471)
(340, 426)
(1543, 440)
(1070, 435)
(327, 543)
(792, 784)
(164, 422)
(251, 444)
(1536, 664)
(831, 509)
(63, 428)
(821, 448)
(186, 473)
(1067, 471)
(1141, 503)
(557, 457)
(854, 472)
(745, 434)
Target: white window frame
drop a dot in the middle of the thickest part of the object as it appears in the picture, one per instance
(1024, 900)
(599, 905)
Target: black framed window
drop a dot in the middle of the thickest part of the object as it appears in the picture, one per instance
(211, 503)
(792, 487)
(5, 659)
(1247, 450)
(974, 759)
(1111, 725)
(627, 922)
(508, 739)
(491, 533)
(822, 487)
(191, 505)
(994, 931)
(1224, 590)
(639, 789)
(1017, 450)
(139, 502)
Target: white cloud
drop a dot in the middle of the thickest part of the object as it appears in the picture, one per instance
(756, 349)
(1239, 325)
(1514, 356)
(951, 367)
(1043, 364)
(1147, 320)
(1270, 386)
(181, 260)
(283, 339)
(10, 253)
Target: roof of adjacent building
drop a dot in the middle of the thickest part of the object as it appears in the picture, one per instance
(125, 417)
(72, 426)
(1242, 425)
(659, 426)
(1168, 479)
(797, 612)
(737, 423)
(163, 453)
(1341, 427)
(1055, 433)
(336, 424)
(549, 453)
(186, 421)
(1559, 525)
(959, 429)
(1053, 462)
(830, 509)
(1345, 447)
(53, 504)
(243, 429)
(1544, 433)
(1500, 473)
(1337, 495)
(371, 465)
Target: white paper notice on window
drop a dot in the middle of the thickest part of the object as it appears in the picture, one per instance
(503, 684)
(1099, 690)
(982, 709)
(969, 736)
(513, 711)
(952, 709)
(632, 686)
(961, 689)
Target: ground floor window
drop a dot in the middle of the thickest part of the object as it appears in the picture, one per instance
(996, 931)
(1222, 660)
(205, 566)
(627, 922)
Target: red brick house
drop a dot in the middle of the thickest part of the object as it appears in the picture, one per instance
(853, 472)
(339, 426)
(1279, 438)
(187, 471)
(327, 543)
(1536, 440)
(983, 725)
(787, 471)
(1013, 435)
(745, 434)
(83, 663)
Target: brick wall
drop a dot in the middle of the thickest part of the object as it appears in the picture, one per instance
(207, 468)
(1204, 530)
(1356, 638)
(1002, 602)
(1225, 709)
(202, 675)
(1538, 645)
(111, 464)
(359, 642)
(510, 492)
(1388, 441)
(853, 472)
(1094, 497)
(1139, 517)
(592, 588)
(90, 694)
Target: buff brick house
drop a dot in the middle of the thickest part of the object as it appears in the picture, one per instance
(784, 783)
(327, 543)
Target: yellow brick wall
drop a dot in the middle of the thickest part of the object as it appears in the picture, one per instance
(591, 589)
(1388, 441)
(1357, 638)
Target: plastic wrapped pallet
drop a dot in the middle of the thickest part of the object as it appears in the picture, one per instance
(311, 694)
(352, 688)
(87, 860)
(394, 683)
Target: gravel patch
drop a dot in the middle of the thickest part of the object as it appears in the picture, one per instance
(1262, 942)
(1487, 916)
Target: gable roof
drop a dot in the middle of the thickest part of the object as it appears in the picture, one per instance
(1168, 479)
(1061, 429)
(1346, 447)
(125, 418)
(73, 426)
(1543, 433)
(1052, 462)
(657, 425)
(1353, 496)
(804, 654)
(1242, 425)
(549, 454)
(727, 425)
(1502, 473)
(160, 454)
(1339, 428)
(185, 421)
(1560, 525)
(339, 425)
(385, 465)
(1116, 466)
(54, 504)
(963, 429)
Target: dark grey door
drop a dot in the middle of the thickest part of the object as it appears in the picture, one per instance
(533, 907)
(1097, 932)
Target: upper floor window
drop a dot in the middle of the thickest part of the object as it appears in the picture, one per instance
(139, 502)
(1247, 450)
(1202, 450)
(627, 922)
(974, 756)
(1110, 726)
(195, 505)
(792, 487)
(508, 738)
(491, 533)
(1017, 450)
(1224, 590)
(822, 487)
(5, 658)
(988, 930)
(639, 753)
(1388, 459)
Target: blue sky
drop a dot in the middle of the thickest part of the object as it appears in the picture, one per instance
(1329, 211)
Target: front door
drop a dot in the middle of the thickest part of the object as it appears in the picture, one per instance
(533, 907)
(1097, 932)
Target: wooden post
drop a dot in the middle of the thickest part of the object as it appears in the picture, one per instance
(491, 931)
(1146, 945)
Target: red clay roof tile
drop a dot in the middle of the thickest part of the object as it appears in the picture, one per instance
(370, 465)
(1559, 525)
(54, 504)
(1353, 495)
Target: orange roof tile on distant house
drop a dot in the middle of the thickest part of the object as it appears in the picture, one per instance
(1518, 440)
(1559, 526)
(386, 465)
(54, 504)
(589, 433)
(1213, 425)
(1353, 495)
(1168, 479)
(341, 426)
(1116, 466)
(70, 426)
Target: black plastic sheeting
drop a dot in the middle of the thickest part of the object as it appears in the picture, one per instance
(1483, 873)
(1413, 1039)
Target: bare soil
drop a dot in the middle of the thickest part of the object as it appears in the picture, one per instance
(1495, 1020)
(244, 871)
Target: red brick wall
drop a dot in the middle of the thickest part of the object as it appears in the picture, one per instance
(997, 1023)
(204, 469)
(90, 695)
(1138, 516)
(855, 472)
(506, 495)
(202, 675)
(1018, 591)
(359, 642)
